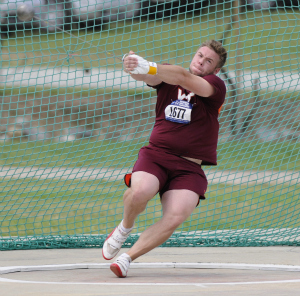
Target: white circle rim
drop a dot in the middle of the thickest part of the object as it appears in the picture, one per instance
(265, 267)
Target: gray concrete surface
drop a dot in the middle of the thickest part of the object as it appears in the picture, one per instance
(164, 271)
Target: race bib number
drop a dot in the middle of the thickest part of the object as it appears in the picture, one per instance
(179, 111)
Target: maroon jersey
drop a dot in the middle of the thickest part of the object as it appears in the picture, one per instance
(187, 124)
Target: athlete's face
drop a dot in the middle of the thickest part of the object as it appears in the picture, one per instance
(205, 62)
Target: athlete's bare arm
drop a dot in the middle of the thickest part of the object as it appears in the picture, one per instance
(177, 75)
(149, 79)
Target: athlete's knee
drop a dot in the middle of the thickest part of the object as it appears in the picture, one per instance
(143, 187)
(136, 197)
(139, 195)
(173, 222)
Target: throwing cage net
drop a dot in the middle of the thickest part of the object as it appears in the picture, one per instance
(72, 122)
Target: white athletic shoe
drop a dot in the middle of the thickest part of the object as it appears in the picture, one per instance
(121, 265)
(113, 243)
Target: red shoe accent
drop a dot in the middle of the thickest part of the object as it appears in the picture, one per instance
(127, 179)
(117, 270)
(105, 241)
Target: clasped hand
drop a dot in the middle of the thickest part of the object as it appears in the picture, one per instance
(134, 64)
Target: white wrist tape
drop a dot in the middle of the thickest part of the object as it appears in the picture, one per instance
(144, 67)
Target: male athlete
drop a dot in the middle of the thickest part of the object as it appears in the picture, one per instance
(184, 137)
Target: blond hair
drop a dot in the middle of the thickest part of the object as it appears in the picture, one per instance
(218, 48)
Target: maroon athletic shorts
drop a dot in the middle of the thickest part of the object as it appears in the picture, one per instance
(172, 171)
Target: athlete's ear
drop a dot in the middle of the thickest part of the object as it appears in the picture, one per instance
(217, 70)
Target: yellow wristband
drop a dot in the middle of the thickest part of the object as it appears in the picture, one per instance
(152, 68)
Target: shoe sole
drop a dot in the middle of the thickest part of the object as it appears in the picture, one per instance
(105, 241)
(117, 270)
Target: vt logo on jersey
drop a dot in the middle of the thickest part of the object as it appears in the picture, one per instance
(182, 96)
(180, 110)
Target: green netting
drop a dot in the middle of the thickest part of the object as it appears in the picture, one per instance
(72, 121)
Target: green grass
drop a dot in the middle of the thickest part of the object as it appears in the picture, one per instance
(238, 155)
(64, 207)
(248, 207)
(71, 154)
(268, 40)
(253, 155)
(68, 208)
(42, 91)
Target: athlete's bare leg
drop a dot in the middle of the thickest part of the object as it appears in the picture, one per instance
(144, 186)
(177, 205)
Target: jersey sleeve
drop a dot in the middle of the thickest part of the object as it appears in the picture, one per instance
(219, 86)
(217, 99)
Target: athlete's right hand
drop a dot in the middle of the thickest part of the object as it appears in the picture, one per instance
(134, 64)
(129, 62)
